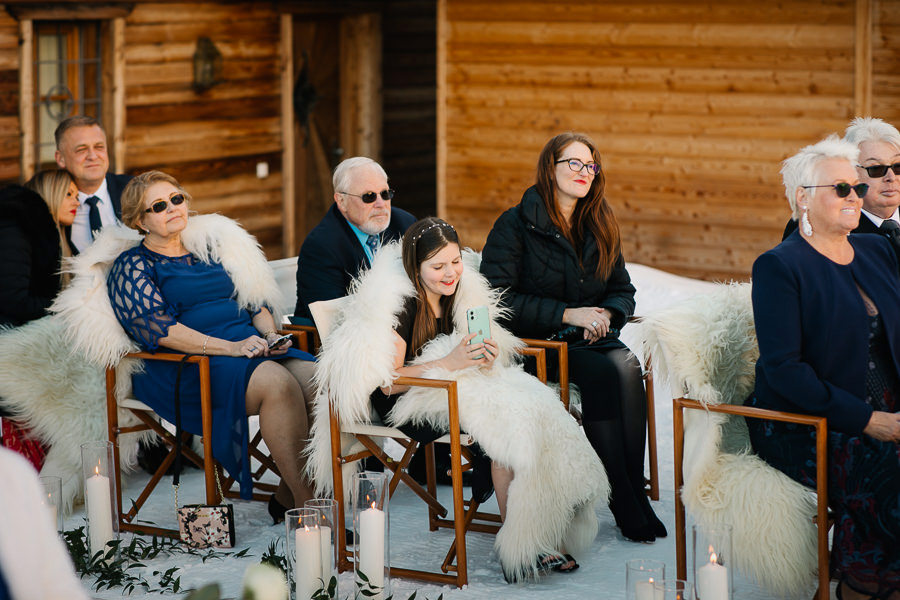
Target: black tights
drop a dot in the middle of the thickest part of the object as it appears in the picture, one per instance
(614, 416)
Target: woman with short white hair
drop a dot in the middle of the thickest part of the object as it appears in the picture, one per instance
(828, 325)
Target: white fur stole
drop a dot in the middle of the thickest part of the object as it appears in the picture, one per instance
(515, 418)
(706, 348)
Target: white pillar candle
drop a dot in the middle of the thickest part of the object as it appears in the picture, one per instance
(371, 548)
(308, 564)
(327, 553)
(712, 581)
(99, 506)
(644, 590)
(54, 517)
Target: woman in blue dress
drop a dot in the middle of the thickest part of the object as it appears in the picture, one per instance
(166, 297)
(826, 305)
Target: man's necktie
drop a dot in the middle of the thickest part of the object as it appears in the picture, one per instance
(891, 230)
(372, 243)
(94, 215)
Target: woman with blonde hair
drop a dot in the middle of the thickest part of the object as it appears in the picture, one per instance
(32, 244)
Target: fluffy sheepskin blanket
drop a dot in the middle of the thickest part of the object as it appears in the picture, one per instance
(516, 419)
(53, 367)
(706, 348)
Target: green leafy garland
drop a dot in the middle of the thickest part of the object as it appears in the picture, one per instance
(113, 568)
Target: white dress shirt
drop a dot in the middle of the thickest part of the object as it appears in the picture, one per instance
(81, 228)
(878, 220)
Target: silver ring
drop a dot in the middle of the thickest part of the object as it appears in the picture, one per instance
(594, 323)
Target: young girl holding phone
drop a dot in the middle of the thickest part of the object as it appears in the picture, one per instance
(412, 306)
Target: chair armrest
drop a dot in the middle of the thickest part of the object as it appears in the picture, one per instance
(167, 357)
(540, 355)
(755, 413)
(300, 337)
(310, 331)
(562, 356)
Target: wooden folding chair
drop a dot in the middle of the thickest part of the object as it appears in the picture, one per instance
(822, 521)
(466, 516)
(151, 422)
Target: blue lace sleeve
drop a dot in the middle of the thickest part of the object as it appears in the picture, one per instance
(137, 301)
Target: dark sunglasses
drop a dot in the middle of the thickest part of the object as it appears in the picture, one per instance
(161, 205)
(369, 197)
(576, 165)
(879, 171)
(843, 189)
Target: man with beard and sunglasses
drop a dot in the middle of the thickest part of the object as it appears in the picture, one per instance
(345, 241)
(81, 149)
(878, 166)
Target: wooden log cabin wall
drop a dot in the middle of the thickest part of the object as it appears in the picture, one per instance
(213, 140)
(693, 105)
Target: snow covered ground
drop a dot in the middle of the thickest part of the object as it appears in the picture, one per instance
(602, 572)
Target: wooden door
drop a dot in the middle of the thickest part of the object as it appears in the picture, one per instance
(336, 105)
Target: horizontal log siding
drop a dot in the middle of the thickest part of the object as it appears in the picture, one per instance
(10, 152)
(210, 141)
(692, 104)
(886, 60)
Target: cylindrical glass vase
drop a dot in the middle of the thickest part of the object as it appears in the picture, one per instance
(369, 498)
(51, 499)
(327, 509)
(713, 563)
(673, 589)
(99, 495)
(304, 552)
(640, 575)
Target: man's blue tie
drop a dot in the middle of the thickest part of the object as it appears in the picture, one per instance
(94, 215)
(372, 243)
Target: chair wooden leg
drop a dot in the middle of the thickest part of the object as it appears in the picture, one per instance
(431, 483)
(680, 542)
(653, 492)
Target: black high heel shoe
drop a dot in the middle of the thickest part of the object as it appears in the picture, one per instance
(276, 510)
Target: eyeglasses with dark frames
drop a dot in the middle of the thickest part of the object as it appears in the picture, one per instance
(369, 197)
(879, 171)
(161, 205)
(576, 165)
(843, 189)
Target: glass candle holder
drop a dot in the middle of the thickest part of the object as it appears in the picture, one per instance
(369, 497)
(99, 494)
(304, 552)
(713, 563)
(640, 575)
(673, 589)
(327, 510)
(51, 498)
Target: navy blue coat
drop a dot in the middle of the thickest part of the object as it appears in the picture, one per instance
(812, 327)
(331, 256)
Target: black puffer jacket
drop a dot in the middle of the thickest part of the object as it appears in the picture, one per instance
(529, 258)
(29, 256)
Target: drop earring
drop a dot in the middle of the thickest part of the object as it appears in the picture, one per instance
(805, 227)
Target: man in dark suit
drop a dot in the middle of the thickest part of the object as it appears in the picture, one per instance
(345, 241)
(878, 166)
(81, 149)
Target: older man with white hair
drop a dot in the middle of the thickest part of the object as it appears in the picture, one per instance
(345, 241)
(878, 166)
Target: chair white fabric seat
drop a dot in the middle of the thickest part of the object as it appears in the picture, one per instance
(392, 432)
(134, 404)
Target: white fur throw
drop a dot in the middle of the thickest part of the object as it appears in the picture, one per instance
(706, 347)
(53, 367)
(515, 418)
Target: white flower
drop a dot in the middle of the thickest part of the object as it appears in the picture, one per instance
(264, 582)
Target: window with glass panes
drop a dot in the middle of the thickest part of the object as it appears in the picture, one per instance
(68, 79)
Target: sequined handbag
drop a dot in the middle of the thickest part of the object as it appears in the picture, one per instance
(199, 525)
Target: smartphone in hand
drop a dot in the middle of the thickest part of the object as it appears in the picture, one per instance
(279, 341)
(479, 322)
